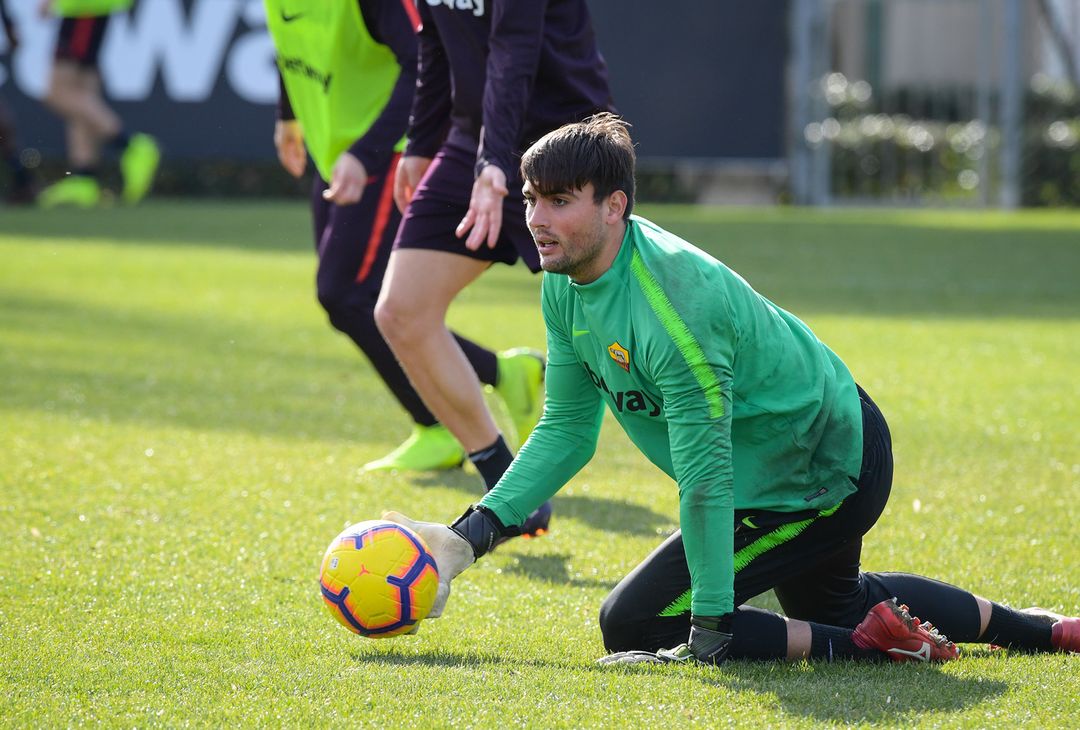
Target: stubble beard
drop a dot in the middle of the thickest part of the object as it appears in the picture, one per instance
(579, 265)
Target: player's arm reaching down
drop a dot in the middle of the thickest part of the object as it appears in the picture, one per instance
(694, 377)
(561, 444)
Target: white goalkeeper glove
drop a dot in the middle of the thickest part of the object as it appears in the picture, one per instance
(451, 551)
(458, 546)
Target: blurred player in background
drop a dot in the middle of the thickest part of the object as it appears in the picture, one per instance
(349, 70)
(493, 77)
(782, 461)
(23, 186)
(75, 95)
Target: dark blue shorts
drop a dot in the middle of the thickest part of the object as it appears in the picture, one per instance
(440, 202)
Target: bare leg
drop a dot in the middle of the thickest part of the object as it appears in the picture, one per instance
(984, 613)
(798, 639)
(83, 149)
(103, 121)
(411, 314)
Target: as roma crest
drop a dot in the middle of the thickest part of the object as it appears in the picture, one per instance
(620, 355)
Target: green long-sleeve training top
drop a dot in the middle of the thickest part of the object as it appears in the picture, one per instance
(731, 396)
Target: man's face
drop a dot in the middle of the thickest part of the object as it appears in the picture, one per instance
(569, 231)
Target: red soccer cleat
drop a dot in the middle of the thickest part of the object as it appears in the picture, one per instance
(889, 628)
(1064, 630)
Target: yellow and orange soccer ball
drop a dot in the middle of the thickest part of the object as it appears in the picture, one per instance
(378, 579)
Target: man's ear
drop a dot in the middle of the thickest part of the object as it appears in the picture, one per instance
(614, 207)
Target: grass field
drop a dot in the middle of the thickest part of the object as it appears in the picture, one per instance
(180, 432)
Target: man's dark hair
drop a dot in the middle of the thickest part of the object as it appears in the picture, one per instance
(597, 150)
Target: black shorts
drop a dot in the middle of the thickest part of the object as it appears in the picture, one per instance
(440, 202)
(80, 40)
(810, 559)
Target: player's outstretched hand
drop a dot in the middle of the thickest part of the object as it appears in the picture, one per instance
(410, 171)
(451, 551)
(289, 142)
(484, 218)
(348, 181)
(709, 643)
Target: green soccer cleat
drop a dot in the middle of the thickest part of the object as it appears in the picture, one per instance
(138, 165)
(521, 386)
(79, 191)
(428, 448)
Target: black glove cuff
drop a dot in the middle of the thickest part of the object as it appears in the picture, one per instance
(713, 623)
(482, 529)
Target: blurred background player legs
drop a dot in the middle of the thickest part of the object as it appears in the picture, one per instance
(75, 95)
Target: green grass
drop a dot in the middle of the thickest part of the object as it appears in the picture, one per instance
(181, 432)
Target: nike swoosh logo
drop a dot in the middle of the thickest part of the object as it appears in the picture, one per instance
(290, 18)
(579, 333)
(922, 654)
(746, 521)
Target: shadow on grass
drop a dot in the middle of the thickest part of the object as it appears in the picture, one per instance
(856, 692)
(611, 515)
(272, 225)
(838, 265)
(601, 513)
(840, 692)
(552, 569)
(436, 658)
(201, 372)
(871, 263)
(468, 483)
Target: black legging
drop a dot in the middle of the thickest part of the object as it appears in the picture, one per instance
(816, 575)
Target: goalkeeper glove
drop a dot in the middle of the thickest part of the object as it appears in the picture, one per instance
(709, 643)
(458, 546)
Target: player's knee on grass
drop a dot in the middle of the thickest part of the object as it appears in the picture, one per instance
(626, 628)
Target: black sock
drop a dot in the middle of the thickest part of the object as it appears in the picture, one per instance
(1017, 630)
(120, 141)
(954, 611)
(492, 462)
(832, 642)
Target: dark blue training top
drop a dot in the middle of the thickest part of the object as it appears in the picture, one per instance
(515, 69)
